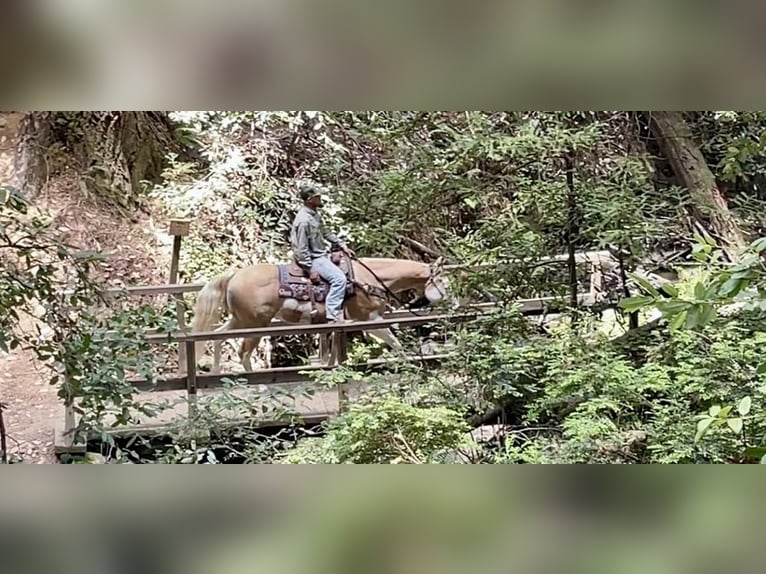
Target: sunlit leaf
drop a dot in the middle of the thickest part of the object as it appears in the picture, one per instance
(702, 427)
(735, 425)
(645, 284)
(670, 289)
(635, 303)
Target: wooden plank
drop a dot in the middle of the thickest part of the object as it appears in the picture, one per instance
(278, 376)
(396, 314)
(63, 443)
(307, 329)
(527, 307)
(138, 290)
(303, 410)
(580, 257)
(149, 430)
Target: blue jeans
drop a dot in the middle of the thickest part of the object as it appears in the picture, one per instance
(331, 273)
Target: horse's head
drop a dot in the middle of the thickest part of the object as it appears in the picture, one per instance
(437, 284)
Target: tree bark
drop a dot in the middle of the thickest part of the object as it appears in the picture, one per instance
(572, 229)
(30, 135)
(3, 437)
(120, 150)
(116, 151)
(675, 140)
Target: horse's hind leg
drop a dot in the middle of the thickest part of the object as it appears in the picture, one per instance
(219, 343)
(246, 352)
(264, 350)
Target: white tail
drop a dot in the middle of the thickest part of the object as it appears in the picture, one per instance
(210, 302)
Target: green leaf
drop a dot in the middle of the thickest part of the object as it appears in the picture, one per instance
(670, 289)
(702, 427)
(678, 320)
(672, 307)
(635, 303)
(731, 287)
(645, 284)
(743, 408)
(714, 410)
(735, 425)
(755, 452)
(692, 317)
(761, 368)
(700, 291)
(759, 245)
(707, 312)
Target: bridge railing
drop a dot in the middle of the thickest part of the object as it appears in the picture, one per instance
(189, 379)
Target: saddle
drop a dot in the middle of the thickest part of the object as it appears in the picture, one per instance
(294, 282)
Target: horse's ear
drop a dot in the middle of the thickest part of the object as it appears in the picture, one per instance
(439, 262)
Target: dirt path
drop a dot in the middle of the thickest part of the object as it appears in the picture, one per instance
(31, 404)
(31, 409)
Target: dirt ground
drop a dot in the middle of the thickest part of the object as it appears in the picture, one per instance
(140, 255)
(31, 409)
(31, 405)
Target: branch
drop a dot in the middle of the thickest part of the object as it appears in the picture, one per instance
(636, 331)
(492, 413)
(3, 437)
(407, 452)
(419, 247)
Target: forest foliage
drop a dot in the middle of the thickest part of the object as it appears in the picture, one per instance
(493, 187)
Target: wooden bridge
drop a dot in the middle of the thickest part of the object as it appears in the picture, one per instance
(187, 385)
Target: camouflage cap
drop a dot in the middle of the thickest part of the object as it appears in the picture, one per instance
(308, 190)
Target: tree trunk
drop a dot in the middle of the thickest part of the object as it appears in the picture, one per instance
(119, 150)
(572, 229)
(676, 142)
(23, 162)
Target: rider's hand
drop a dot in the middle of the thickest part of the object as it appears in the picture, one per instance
(350, 252)
(314, 277)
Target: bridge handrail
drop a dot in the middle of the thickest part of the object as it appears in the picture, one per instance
(175, 288)
(396, 318)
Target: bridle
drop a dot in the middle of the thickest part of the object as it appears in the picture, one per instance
(432, 272)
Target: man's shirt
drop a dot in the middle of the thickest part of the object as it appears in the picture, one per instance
(309, 237)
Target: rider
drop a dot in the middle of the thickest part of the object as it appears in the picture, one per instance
(309, 239)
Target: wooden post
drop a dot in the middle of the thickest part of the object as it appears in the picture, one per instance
(191, 377)
(341, 342)
(178, 229)
(69, 418)
(340, 353)
(596, 277)
(324, 350)
(64, 439)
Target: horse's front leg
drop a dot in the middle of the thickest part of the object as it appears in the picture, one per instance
(386, 336)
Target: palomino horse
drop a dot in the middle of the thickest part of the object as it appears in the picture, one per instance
(252, 297)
